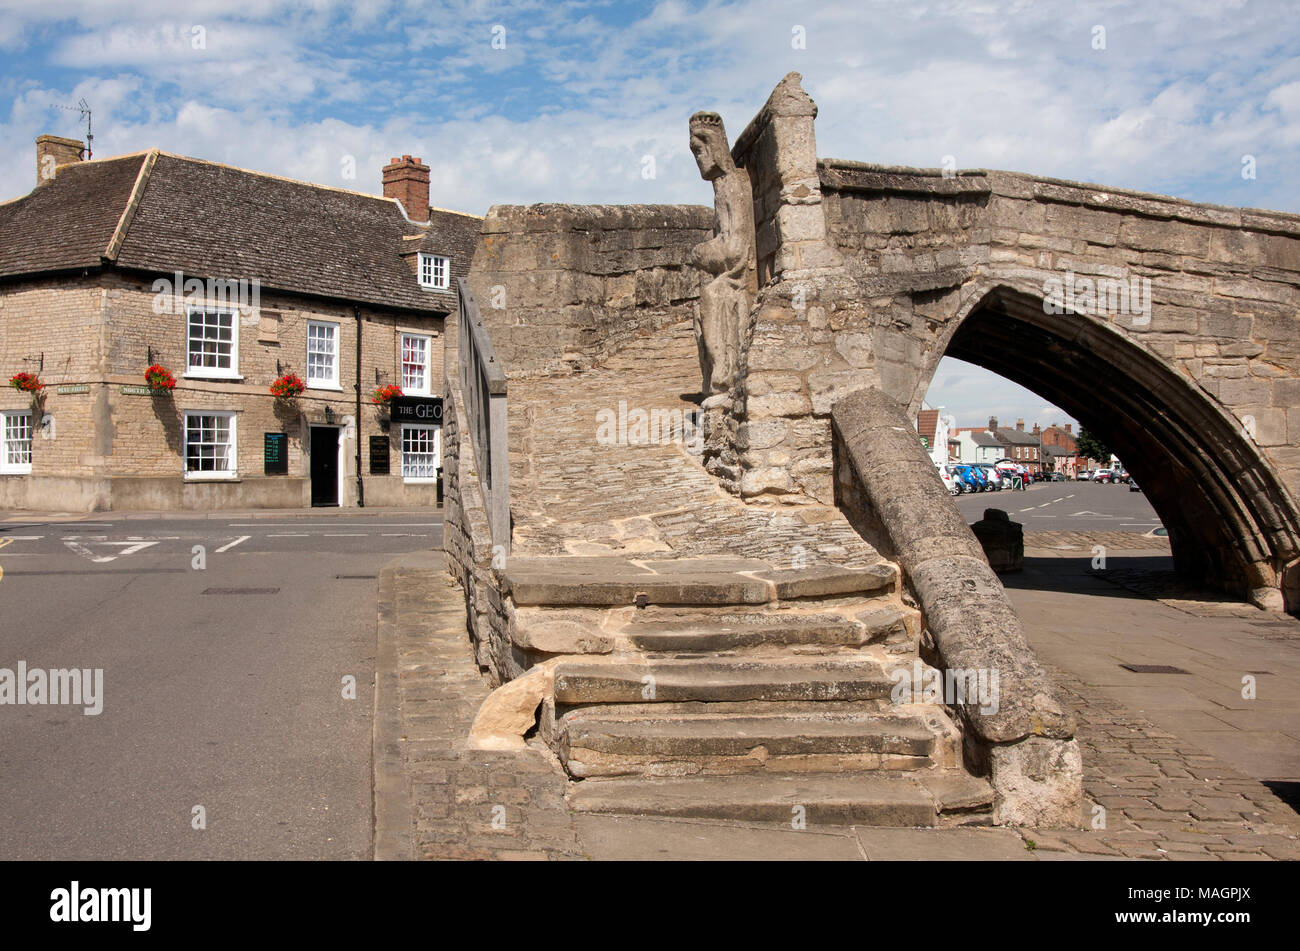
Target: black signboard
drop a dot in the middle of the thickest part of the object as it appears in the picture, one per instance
(379, 455)
(417, 409)
(275, 450)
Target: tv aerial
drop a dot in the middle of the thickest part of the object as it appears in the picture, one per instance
(82, 108)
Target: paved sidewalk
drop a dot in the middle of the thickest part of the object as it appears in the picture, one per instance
(1165, 798)
(119, 515)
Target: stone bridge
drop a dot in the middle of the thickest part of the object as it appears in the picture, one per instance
(708, 616)
(1169, 329)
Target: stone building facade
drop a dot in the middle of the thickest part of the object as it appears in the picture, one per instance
(229, 280)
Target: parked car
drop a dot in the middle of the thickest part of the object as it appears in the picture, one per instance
(1083, 475)
(1060, 477)
(991, 474)
(958, 479)
(949, 482)
(1104, 476)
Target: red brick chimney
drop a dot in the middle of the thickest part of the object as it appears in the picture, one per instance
(1069, 428)
(1037, 429)
(407, 180)
(52, 151)
(993, 424)
(1020, 425)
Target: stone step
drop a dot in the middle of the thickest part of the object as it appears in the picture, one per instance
(718, 580)
(713, 680)
(686, 631)
(596, 745)
(821, 799)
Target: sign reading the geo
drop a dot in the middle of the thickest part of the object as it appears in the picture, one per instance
(417, 409)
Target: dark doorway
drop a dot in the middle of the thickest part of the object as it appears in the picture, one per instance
(324, 465)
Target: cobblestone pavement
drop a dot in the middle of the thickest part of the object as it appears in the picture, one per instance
(650, 497)
(1164, 798)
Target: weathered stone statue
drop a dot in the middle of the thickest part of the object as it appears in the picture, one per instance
(728, 257)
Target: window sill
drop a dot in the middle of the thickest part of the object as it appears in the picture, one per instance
(17, 470)
(434, 287)
(329, 389)
(212, 477)
(215, 377)
(409, 481)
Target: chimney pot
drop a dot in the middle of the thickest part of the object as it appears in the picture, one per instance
(53, 152)
(1020, 425)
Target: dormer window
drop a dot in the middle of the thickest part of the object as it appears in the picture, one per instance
(435, 271)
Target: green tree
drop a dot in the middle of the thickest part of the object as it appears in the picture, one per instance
(1091, 447)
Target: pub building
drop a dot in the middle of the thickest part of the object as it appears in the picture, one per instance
(151, 303)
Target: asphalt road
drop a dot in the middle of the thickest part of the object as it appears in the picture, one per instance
(223, 684)
(1067, 507)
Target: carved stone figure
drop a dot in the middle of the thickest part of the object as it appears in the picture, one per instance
(728, 257)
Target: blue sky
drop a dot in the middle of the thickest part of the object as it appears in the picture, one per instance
(580, 93)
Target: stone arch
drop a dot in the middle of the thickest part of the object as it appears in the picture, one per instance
(1231, 520)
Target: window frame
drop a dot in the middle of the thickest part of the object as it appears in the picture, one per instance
(213, 373)
(437, 454)
(16, 468)
(333, 382)
(430, 259)
(210, 475)
(427, 388)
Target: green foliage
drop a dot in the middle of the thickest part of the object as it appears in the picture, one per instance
(1091, 447)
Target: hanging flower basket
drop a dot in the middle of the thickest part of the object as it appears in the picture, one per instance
(27, 382)
(383, 396)
(288, 387)
(159, 378)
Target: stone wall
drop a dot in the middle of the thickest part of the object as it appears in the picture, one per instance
(561, 286)
(110, 447)
(467, 541)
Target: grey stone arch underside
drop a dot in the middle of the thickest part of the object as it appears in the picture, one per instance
(1231, 521)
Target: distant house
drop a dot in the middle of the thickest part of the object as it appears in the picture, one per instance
(230, 280)
(977, 445)
(935, 430)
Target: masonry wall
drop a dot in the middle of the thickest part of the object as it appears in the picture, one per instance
(561, 286)
(109, 446)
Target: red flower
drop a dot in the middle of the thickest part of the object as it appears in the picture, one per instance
(159, 378)
(27, 382)
(288, 386)
(384, 394)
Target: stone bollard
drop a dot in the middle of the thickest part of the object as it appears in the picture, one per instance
(1003, 540)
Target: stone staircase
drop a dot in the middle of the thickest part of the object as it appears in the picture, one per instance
(732, 688)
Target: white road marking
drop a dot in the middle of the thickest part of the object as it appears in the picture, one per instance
(1042, 516)
(289, 535)
(237, 541)
(130, 549)
(1030, 509)
(345, 535)
(404, 535)
(24, 538)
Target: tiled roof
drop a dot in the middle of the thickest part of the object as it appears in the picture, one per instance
(69, 222)
(210, 220)
(984, 438)
(1016, 437)
(926, 422)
